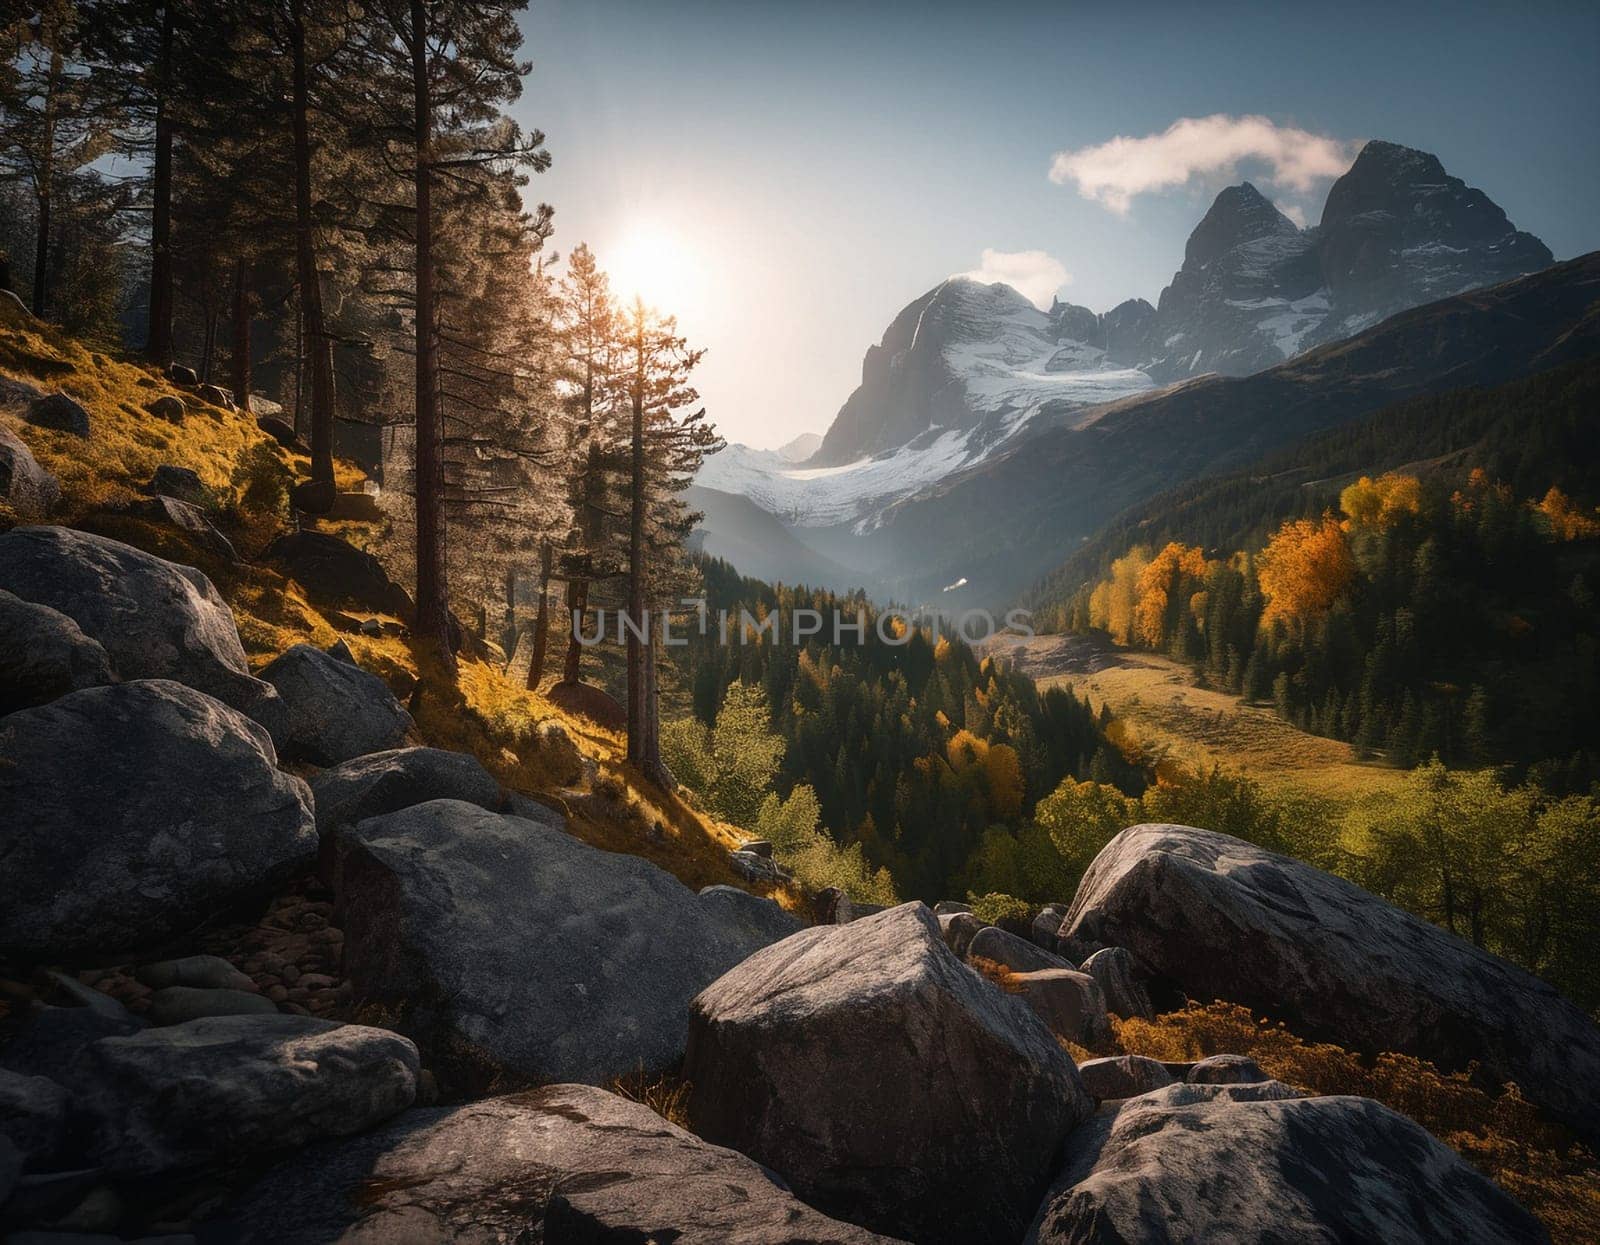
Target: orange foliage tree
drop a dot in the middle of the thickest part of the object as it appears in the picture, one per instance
(1304, 568)
(1162, 581)
(1567, 521)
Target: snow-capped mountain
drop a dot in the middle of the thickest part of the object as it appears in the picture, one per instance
(968, 371)
(1397, 231)
(960, 372)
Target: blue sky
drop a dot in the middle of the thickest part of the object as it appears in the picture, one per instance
(787, 177)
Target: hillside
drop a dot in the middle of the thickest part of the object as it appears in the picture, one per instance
(1053, 490)
(1530, 433)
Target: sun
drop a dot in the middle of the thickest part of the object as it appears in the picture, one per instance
(653, 264)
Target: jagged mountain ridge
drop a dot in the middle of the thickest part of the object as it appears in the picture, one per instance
(967, 371)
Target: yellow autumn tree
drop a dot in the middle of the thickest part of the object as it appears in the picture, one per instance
(1567, 520)
(1003, 768)
(1163, 576)
(1372, 505)
(1304, 568)
(1112, 604)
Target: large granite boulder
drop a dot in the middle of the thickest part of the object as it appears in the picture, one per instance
(60, 412)
(1255, 1164)
(566, 1163)
(884, 1080)
(333, 711)
(43, 655)
(336, 571)
(230, 1087)
(1124, 1076)
(761, 919)
(150, 807)
(155, 619)
(33, 1117)
(1069, 1002)
(1126, 995)
(1018, 954)
(383, 782)
(513, 942)
(1226, 920)
(25, 486)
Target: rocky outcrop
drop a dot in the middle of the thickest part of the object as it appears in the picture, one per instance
(1125, 993)
(44, 655)
(1224, 919)
(155, 619)
(384, 782)
(151, 807)
(567, 1163)
(188, 518)
(235, 1086)
(25, 486)
(333, 711)
(884, 1080)
(1069, 1002)
(1252, 1163)
(1123, 1076)
(537, 953)
(58, 411)
(335, 570)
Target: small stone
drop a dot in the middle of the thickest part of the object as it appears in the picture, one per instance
(59, 412)
(1227, 1070)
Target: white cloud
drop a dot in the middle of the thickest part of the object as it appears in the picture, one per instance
(1293, 211)
(1034, 274)
(1210, 148)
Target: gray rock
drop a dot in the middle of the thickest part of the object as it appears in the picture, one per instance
(217, 396)
(1017, 954)
(959, 929)
(832, 906)
(167, 407)
(336, 571)
(156, 619)
(186, 517)
(182, 374)
(755, 869)
(566, 1163)
(758, 847)
(1123, 1076)
(384, 782)
(764, 920)
(1224, 919)
(1253, 1163)
(280, 431)
(10, 1168)
(1226, 1070)
(176, 1005)
(52, 1036)
(33, 1117)
(547, 957)
(60, 412)
(25, 486)
(1126, 995)
(340, 651)
(44, 655)
(152, 807)
(202, 972)
(333, 711)
(184, 483)
(1069, 1002)
(1046, 924)
(949, 907)
(235, 1086)
(558, 753)
(884, 1080)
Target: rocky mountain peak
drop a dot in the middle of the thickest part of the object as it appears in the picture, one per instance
(1239, 214)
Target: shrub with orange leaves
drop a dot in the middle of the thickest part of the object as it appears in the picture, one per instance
(1304, 568)
(1567, 521)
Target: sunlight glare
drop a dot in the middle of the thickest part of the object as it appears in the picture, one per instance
(653, 264)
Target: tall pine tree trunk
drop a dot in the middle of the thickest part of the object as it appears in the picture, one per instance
(577, 610)
(654, 770)
(636, 672)
(158, 342)
(240, 358)
(310, 282)
(433, 604)
(541, 625)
